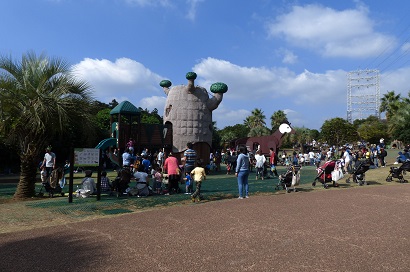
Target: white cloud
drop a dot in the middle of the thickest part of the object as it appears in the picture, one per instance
(263, 82)
(124, 78)
(273, 89)
(153, 102)
(193, 5)
(329, 32)
(288, 57)
(304, 96)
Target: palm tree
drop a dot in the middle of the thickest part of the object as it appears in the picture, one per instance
(257, 119)
(390, 103)
(277, 118)
(40, 100)
(256, 123)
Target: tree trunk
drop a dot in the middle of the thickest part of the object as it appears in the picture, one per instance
(28, 172)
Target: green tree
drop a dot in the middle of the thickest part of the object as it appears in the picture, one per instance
(256, 123)
(390, 103)
(113, 104)
(231, 133)
(256, 119)
(259, 131)
(277, 118)
(398, 125)
(40, 99)
(148, 117)
(102, 119)
(372, 129)
(338, 131)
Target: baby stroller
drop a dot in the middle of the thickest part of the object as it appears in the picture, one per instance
(51, 185)
(359, 170)
(120, 184)
(398, 172)
(290, 178)
(324, 173)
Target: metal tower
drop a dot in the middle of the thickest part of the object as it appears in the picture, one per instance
(363, 94)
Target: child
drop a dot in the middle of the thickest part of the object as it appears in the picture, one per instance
(198, 175)
(158, 180)
(43, 174)
(105, 183)
(188, 182)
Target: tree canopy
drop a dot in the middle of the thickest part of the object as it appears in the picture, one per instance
(40, 99)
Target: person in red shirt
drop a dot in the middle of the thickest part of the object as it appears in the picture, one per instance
(273, 161)
(171, 167)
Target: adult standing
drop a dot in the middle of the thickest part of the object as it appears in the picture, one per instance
(273, 161)
(160, 158)
(49, 161)
(171, 167)
(347, 159)
(127, 158)
(190, 159)
(382, 156)
(311, 157)
(259, 164)
(242, 172)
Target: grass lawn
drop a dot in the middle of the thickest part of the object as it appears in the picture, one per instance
(55, 211)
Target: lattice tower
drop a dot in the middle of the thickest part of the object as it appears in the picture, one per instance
(363, 94)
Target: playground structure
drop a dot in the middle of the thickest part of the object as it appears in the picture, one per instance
(125, 120)
(187, 118)
(188, 110)
(264, 143)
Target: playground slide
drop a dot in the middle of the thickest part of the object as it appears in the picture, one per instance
(106, 143)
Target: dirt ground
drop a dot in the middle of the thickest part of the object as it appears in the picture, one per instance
(360, 229)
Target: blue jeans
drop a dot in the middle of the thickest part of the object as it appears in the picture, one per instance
(243, 182)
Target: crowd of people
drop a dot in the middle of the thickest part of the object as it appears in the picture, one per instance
(162, 172)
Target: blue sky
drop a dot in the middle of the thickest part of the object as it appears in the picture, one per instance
(273, 55)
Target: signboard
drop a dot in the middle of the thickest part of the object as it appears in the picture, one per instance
(86, 157)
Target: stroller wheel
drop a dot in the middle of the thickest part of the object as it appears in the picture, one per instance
(287, 190)
(389, 179)
(348, 180)
(360, 183)
(314, 183)
(325, 186)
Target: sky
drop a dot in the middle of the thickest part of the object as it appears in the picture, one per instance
(293, 56)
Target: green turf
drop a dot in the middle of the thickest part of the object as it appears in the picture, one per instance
(217, 186)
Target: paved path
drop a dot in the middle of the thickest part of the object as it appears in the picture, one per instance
(358, 229)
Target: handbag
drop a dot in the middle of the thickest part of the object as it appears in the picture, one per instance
(295, 179)
(337, 174)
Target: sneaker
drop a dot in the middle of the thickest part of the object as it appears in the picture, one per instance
(192, 199)
(240, 197)
(246, 196)
(396, 162)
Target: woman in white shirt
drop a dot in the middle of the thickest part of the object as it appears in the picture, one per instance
(259, 164)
